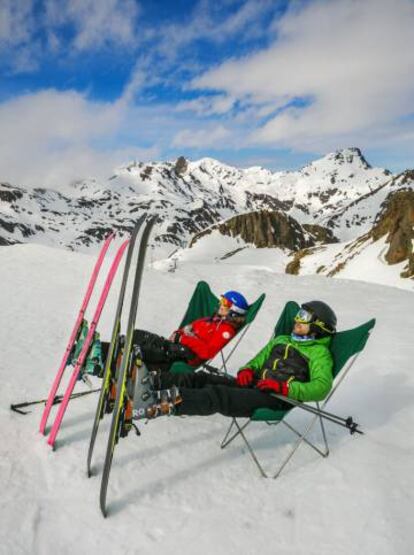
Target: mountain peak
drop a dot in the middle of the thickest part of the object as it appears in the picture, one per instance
(351, 156)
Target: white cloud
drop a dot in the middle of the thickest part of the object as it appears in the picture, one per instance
(207, 105)
(96, 23)
(53, 137)
(18, 47)
(353, 60)
(170, 45)
(29, 30)
(16, 21)
(214, 136)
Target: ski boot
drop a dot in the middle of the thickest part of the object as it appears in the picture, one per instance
(163, 403)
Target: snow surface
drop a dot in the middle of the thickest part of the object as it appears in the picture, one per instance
(173, 489)
(364, 260)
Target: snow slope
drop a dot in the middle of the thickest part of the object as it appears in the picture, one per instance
(363, 262)
(173, 488)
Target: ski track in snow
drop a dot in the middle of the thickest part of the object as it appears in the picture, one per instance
(173, 487)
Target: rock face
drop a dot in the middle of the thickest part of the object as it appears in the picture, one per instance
(321, 234)
(293, 267)
(263, 229)
(392, 225)
(181, 166)
(397, 220)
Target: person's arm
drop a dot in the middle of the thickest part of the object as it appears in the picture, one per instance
(320, 383)
(257, 363)
(208, 349)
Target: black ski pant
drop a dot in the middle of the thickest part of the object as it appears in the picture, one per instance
(204, 394)
(157, 352)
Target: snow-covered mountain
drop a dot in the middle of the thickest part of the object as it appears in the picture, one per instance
(188, 196)
(383, 254)
(337, 198)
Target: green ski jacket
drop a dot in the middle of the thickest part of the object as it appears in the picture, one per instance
(320, 365)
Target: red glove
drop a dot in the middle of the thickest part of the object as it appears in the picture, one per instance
(282, 388)
(245, 377)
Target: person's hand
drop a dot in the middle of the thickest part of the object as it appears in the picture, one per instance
(245, 377)
(174, 337)
(188, 329)
(272, 386)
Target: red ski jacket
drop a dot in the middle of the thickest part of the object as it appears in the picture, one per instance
(206, 337)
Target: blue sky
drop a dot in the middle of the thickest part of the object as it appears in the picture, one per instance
(87, 85)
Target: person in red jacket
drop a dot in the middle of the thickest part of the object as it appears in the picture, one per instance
(197, 342)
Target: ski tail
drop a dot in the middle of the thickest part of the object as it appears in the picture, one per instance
(106, 380)
(85, 348)
(72, 339)
(127, 359)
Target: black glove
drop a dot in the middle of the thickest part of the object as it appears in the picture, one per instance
(176, 351)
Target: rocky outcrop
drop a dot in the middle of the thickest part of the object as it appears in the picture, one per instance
(397, 220)
(394, 222)
(263, 229)
(293, 267)
(181, 166)
(320, 233)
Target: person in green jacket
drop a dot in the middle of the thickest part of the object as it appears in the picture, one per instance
(298, 366)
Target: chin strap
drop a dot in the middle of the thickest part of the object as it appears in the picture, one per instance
(297, 337)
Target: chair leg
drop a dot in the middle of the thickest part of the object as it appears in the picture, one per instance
(250, 449)
(325, 440)
(240, 432)
(292, 429)
(226, 441)
(301, 438)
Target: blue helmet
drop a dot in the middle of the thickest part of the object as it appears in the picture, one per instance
(236, 302)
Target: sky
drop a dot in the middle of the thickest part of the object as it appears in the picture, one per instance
(88, 85)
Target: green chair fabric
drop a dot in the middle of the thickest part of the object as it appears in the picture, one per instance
(344, 345)
(204, 303)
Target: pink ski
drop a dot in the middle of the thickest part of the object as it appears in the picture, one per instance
(88, 341)
(63, 364)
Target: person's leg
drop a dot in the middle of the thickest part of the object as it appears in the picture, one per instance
(229, 401)
(157, 349)
(194, 380)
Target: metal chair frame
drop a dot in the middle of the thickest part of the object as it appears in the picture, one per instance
(301, 436)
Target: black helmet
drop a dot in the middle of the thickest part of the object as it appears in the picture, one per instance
(324, 318)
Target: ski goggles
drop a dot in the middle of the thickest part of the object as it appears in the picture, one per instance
(232, 307)
(304, 316)
(225, 302)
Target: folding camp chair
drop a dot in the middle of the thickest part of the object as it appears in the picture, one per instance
(345, 348)
(204, 303)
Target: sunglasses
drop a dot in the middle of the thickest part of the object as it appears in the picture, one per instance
(304, 316)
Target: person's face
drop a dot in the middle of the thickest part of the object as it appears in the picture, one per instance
(223, 310)
(300, 328)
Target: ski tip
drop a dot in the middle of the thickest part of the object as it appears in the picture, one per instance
(104, 510)
(51, 444)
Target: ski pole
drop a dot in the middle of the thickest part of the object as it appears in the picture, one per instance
(58, 399)
(344, 422)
